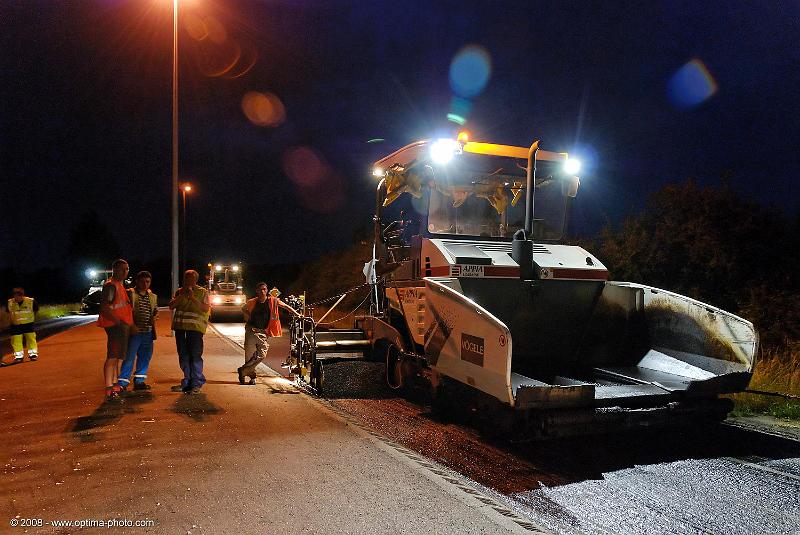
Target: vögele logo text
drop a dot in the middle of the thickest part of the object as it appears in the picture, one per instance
(472, 349)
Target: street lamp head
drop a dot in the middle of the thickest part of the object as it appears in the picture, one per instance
(186, 187)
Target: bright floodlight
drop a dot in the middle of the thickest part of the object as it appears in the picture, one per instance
(572, 166)
(235, 268)
(378, 172)
(218, 267)
(92, 273)
(443, 150)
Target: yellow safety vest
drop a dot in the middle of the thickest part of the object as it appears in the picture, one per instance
(21, 313)
(187, 316)
(135, 303)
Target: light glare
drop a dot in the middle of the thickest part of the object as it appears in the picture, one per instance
(378, 172)
(443, 150)
(572, 166)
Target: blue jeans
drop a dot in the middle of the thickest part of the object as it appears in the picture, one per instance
(190, 357)
(140, 344)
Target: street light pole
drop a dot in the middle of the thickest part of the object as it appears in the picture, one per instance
(175, 274)
(183, 230)
(185, 188)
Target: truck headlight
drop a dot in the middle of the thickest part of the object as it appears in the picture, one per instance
(238, 300)
(216, 300)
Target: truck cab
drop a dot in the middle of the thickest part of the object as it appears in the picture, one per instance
(226, 289)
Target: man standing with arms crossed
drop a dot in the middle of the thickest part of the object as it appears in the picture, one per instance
(189, 321)
(23, 313)
(258, 313)
(116, 317)
(143, 333)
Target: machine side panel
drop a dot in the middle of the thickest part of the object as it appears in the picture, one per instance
(466, 342)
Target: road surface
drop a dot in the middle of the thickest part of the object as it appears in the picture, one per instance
(233, 459)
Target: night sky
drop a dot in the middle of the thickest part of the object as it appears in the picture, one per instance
(86, 110)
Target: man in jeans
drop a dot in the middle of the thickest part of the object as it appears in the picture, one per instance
(257, 314)
(140, 342)
(189, 321)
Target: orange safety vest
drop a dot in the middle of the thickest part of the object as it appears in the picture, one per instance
(274, 325)
(121, 306)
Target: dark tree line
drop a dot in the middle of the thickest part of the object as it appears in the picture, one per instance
(715, 246)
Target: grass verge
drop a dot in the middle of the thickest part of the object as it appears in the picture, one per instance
(45, 312)
(778, 370)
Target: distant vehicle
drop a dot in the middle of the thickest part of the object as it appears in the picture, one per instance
(225, 287)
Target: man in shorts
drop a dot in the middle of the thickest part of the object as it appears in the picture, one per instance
(116, 317)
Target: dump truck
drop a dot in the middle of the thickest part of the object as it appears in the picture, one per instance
(226, 290)
(473, 289)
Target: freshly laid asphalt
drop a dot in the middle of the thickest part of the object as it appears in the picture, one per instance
(248, 459)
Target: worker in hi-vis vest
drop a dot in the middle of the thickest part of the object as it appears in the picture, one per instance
(116, 317)
(189, 321)
(22, 310)
(143, 333)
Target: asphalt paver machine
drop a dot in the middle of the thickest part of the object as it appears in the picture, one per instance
(473, 289)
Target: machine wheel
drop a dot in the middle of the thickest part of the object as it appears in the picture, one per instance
(394, 368)
(318, 377)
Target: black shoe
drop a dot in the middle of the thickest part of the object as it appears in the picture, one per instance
(241, 376)
(194, 390)
(141, 386)
(252, 381)
(177, 388)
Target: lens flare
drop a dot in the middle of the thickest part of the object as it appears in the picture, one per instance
(691, 85)
(215, 60)
(304, 166)
(245, 62)
(470, 71)
(216, 31)
(327, 197)
(263, 109)
(195, 27)
(453, 118)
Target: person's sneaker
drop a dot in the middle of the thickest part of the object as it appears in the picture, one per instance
(32, 357)
(176, 388)
(241, 376)
(17, 360)
(141, 386)
(193, 390)
(252, 381)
